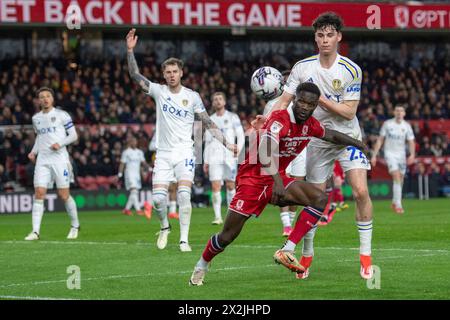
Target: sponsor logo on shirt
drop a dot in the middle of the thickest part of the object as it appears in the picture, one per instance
(175, 111)
(46, 130)
(354, 88)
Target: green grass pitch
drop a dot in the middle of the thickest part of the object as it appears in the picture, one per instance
(118, 258)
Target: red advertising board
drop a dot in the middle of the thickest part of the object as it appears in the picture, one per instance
(221, 13)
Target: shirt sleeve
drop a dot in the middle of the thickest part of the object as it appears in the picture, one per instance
(123, 158)
(383, 130)
(294, 80)
(199, 107)
(352, 89)
(316, 129)
(154, 89)
(409, 133)
(67, 121)
(275, 128)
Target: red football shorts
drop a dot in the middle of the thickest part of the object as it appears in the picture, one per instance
(251, 199)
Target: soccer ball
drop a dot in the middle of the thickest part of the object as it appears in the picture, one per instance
(267, 83)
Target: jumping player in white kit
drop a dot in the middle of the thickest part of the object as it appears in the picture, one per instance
(131, 160)
(394, 133)
(55, 130)
(219, 163)
(339, 80)
(176, 109)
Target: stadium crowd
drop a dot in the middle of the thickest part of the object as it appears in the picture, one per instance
(102, 93)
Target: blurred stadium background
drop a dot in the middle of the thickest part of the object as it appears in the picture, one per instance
(404, 53)
(87, 68)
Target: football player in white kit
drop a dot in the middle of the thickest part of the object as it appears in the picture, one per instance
(55, 130)
(219, 163)
(339, 80)
(176, 109)
(394, 133)
(131, 160)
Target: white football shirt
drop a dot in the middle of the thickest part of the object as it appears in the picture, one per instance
(395, 136)
(230, 125)
(51, 128)
(341, 82)
(132, 159)
(174, 116)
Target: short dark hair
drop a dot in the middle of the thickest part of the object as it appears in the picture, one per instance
(400, 105)
(328, 19)
(42, 89)
(172, 61)
(309, 87)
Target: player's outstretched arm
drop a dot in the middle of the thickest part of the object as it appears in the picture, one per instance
(267, 151)
(283, 102)
(337, 137)
(345, 109)
(133, 68)
(215, 131)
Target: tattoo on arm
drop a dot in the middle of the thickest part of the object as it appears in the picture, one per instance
(133, 69)
(211, 126)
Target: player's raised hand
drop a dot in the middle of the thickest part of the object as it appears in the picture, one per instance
(32, 157)
(278, 192)
(132, 39)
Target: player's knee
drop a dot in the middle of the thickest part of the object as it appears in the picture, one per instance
(320, 200)
(360, 193)
(226, 237)
(184, 196)
(159, 198)
(63, 195)
(39, 194)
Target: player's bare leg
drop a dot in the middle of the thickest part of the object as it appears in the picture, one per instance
(397, 184)
(71, 208)
(315, 202)
(216, 186)
(357, 179)
(173, 201)
(234, 222)
(37, 213)
(159, 195)
(184, 203)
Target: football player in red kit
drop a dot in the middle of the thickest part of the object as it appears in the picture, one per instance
(262, 179)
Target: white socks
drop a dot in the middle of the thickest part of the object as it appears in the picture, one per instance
(308, 243)
(397, 194)
(365, 237)
(285, 218)
(36, 214)
(217, 204)
(289, 246)
(185, 211)
(230, 195)
(202, 264)
(71, 208)
(292, 216)
(159, 196)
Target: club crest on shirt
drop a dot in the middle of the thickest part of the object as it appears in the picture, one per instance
(336, 84)
(225, 122)
(53, 119)
(305, 130)
(185, 102)
(276, 127)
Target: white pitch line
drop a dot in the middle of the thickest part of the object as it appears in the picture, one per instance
(202, 245)
(132, 276)
(33, 298)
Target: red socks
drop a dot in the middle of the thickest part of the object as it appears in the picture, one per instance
(305, 222)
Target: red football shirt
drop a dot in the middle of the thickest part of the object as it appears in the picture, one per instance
(292, 139)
